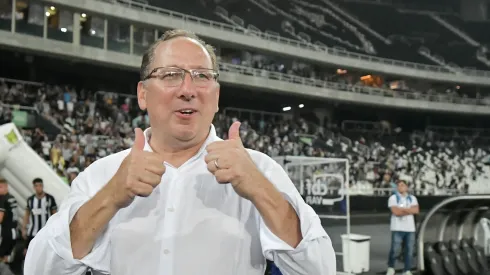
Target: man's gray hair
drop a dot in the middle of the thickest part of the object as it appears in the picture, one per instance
(149, 54)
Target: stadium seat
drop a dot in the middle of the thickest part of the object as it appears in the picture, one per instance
(432, 260)
(480, 256)
(447, 259)
(471, 256)
(319, 23)
(461, 260)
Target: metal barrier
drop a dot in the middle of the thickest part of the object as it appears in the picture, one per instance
(350, 88)
(464, 211)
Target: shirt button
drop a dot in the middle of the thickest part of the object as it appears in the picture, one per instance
(166, 251)
(171, 209)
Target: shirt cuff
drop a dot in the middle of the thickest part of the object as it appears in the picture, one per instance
(60, 240)
(311, 229)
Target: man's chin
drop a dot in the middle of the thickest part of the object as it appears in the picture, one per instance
(185, 132)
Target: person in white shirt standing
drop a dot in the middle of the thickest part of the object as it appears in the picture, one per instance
(181, 200)
(403, 208)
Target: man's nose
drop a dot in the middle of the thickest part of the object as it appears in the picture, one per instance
(187, 89)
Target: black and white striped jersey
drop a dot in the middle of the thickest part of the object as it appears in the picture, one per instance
(40, 210)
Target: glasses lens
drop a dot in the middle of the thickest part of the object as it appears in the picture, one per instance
(170, 77)
(203, 77)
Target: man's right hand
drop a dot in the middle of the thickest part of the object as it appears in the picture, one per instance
(139, 173)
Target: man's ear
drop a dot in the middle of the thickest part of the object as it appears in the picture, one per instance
(217, 96)
(141, 94)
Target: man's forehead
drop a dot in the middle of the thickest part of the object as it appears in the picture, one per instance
(182, 52)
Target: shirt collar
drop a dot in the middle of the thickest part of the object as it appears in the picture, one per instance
(212, 137)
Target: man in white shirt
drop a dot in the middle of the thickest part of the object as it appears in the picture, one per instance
(403, 206)
(182, 201)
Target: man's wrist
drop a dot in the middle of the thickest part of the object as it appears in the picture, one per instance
(263, 190)
(108, 199)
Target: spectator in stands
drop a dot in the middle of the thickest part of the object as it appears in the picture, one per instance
(40, 207)
(387, 184)
(275, 221)
(8, 221)
(5, 114)
(72, 174)
(403, 208)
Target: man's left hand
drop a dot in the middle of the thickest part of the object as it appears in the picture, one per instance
(229, 162)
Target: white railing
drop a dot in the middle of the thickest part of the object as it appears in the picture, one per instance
(15, 107)
(417, 192)
(291, 42)
(228, 67)
(441, 9)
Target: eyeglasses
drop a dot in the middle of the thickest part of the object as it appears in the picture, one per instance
(174, 76)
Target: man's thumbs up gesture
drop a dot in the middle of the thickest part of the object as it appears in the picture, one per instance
(230, 162)
(234, 131)
(139, 173)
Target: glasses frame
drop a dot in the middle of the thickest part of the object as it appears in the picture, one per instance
(191, 72)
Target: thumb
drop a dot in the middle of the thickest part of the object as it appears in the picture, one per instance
(234, 131)
(139, 140)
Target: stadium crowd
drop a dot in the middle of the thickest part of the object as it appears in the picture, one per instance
(97, 124)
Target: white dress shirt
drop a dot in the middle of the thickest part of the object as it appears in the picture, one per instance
(189, 225)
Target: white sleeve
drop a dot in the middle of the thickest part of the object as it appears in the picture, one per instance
(392, 201)
(315, 253)
(50, 252)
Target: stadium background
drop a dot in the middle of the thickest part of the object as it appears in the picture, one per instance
(398, 88)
